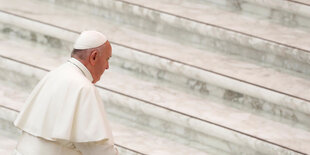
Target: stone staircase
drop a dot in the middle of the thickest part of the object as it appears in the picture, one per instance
(186, 77)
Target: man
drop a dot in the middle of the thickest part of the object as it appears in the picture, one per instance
(64, 114)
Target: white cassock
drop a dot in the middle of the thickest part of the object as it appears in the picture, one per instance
(64, 115)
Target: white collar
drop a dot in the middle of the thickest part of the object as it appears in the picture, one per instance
(81, 66)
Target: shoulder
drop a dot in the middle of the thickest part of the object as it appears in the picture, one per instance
(67, 79)
(71, 74)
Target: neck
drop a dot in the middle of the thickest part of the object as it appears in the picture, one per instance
(88, 66)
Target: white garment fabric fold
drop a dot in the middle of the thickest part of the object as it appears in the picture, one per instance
(65, 105)
(31, 145)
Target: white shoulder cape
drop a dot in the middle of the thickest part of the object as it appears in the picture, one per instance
(65, 105)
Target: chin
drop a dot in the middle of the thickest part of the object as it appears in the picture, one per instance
(94, 81)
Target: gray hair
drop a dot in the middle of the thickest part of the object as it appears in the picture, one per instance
(84, 53)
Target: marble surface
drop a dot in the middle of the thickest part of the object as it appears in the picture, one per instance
(298, 7)
(162, 50)
(165, 96)
(289, 13)
(125, 136)
(193, 78)
(235, 22)
(200, 108)
(301, 1)
(7, 143)
(192, 56)
(192, 122)
(279, 52)
(30, 70)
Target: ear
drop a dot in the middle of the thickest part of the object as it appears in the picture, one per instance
(93, 57)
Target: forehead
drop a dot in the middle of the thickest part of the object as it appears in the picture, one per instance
(106, 48)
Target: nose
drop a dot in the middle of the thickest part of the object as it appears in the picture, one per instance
(107, 65)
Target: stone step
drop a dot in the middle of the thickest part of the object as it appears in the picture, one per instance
(195, 25)
(7, 143)
(248, 86)
(129, 140)
(201, 120)
(291, 13)
(27, 76)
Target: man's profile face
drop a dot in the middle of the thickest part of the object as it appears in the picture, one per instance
(103, 60)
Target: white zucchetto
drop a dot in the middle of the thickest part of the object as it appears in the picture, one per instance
(89, 39)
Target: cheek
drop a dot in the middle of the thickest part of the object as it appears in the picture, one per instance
(102, 67)
(98, 69)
